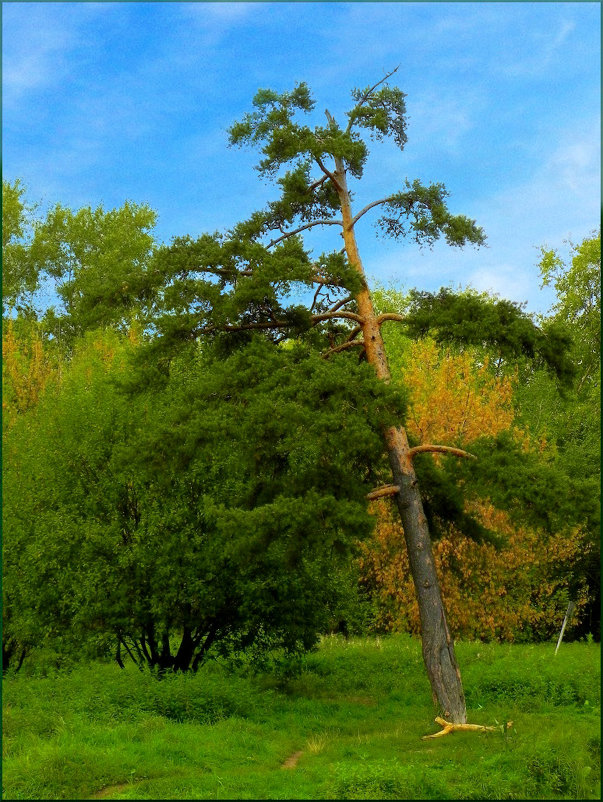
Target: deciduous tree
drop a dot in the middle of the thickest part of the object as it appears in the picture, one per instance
(513, 583)
(91, 260)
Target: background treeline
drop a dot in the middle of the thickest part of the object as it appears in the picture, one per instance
(166, 496)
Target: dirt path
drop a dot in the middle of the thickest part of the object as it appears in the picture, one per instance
(291, 761)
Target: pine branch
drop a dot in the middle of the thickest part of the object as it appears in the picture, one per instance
(366, 209)
(368, 93)
(390, 316)
(427, 447)
(328, 173)
(288, 234)
(342, 347)
(316, 278)
(275, 324)
(329, 315)
(319, 289)
(381, 492)
(318, 183)
(341, 303)
(272, 324)
(354, 333)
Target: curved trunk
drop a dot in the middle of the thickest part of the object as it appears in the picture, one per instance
(438, 646)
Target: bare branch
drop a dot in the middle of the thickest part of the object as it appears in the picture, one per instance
(327, 173)
(342, 347)
(368, 92)
(381, 492)
(319, 289)
(389, 316)
(457, 452)
(318, 183)
(366, 208)
(330, 315)
(341, 303)
(354, 333)
(303, 228)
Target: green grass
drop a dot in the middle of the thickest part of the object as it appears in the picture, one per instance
(356, 713)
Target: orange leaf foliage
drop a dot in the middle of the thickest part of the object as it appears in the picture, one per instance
(509, 594)
(453, 402)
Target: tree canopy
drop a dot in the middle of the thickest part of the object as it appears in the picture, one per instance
(195, 433)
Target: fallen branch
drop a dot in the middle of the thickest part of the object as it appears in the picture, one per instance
(457, 452)
(380, 492)
(449, 727)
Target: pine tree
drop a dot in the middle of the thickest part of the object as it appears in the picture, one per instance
(254, 277)
(224, 289)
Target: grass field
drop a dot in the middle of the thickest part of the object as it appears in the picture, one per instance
(349, 727)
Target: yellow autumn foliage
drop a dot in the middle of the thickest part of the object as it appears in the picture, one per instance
(453, 401)
(515, 593)
(26, 369)
(508, 594)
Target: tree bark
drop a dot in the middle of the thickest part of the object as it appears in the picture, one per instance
(438, 646)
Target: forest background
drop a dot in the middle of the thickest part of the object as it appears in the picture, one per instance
(195, 476)
(77, 461)
(81, 252)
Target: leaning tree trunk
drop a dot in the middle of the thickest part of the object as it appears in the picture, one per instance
(438, 646)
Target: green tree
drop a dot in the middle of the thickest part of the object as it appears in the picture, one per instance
(578, 305)
(223, 288)
(205, 515)
(271, 368)
(94, 258)
(569, 424)
(19, 276)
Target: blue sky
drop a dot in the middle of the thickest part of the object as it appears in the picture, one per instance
(104, 102)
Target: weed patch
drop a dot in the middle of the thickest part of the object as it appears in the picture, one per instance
(348, 726)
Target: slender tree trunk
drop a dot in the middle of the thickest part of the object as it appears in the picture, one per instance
(438, 646)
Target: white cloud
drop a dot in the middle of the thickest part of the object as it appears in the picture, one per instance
(558, 201)
(221, 11)
(575, 164)
(39, 41)
(537, 54)
(39, 65)
(441, 121)
(213, 20)
(506, 280)
(563, 193)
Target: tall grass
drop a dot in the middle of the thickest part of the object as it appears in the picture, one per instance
(356, 712)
